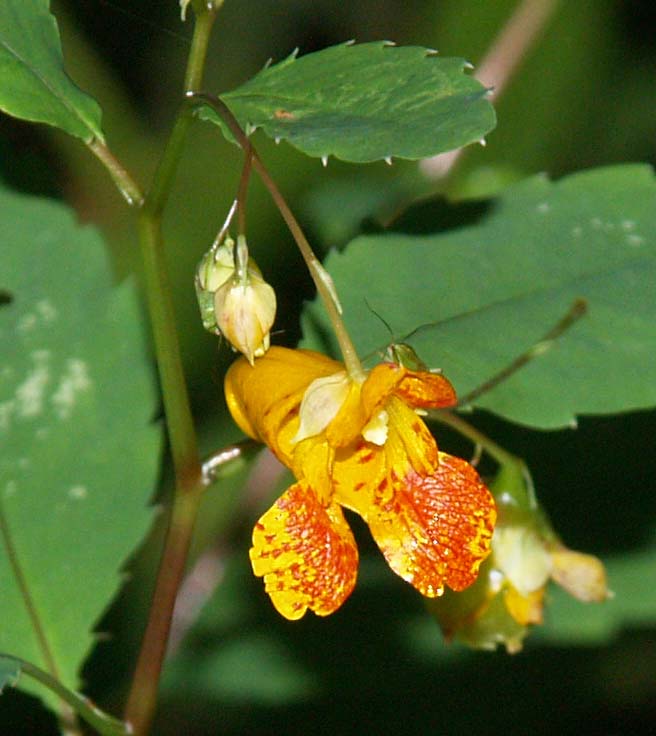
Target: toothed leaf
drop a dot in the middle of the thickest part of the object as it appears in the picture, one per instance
(365, 102)
(33, 83)
(80, 451)
(499, 286)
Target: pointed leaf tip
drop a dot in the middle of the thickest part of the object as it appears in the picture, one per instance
(35, 84)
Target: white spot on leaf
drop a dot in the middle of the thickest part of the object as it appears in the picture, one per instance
(26, 323)
(46, 310)
(74, 381)
(635, 239)
(30, 393)
(44, 313)
(78, 493)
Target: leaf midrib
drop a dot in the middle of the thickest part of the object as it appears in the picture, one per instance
(24, 588)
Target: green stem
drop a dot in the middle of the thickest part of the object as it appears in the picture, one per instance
(503, 457)
(577, 310)
(103, 723)
(124, 182)
(142, 699)
(242, 193)
(179, 419)
(204, 18)
(321, 278)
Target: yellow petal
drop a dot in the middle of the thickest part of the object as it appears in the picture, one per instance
(306, 554)
(313, 462)
(365, 474)
(384, 381)
(365, 401)
(264, 398)
(525, 609)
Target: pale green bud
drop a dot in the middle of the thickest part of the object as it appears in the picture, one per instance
(234, 299)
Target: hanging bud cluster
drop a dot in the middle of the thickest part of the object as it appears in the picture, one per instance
(234, 299)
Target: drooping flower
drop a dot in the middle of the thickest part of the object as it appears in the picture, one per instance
(360, 445)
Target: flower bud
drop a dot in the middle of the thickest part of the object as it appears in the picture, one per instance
(234, 299)
(508, 595)
(480, 616)
(582, 576)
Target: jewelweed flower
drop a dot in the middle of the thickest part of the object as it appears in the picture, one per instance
(359, 445)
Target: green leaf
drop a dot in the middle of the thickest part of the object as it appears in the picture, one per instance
(365, 103)
(33, 83)
(80, 451)
(497, 287)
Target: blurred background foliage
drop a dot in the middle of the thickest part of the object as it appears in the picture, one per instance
(584, 96)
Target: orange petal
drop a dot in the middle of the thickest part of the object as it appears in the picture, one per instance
(306, 554)
(426, 390)
(263, 399)
(385, 380)
(364, 401)
(436, 529)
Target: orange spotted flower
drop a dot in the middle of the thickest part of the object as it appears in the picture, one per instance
(356, 444)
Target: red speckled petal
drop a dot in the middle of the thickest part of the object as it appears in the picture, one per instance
(306, 554)
(436, 530)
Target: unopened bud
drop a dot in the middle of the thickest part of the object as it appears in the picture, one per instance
(234, 299)
(521, 554)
